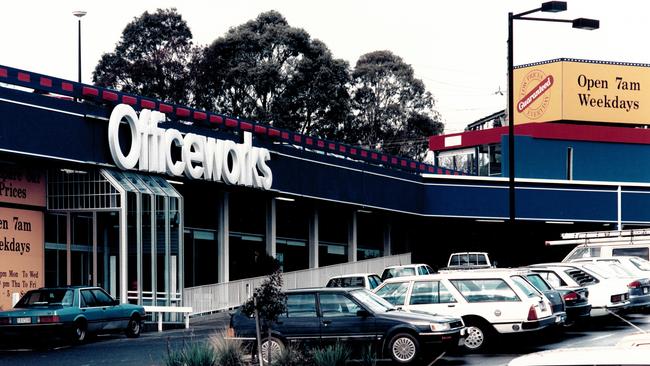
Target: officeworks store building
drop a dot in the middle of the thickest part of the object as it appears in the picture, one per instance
(152, 200)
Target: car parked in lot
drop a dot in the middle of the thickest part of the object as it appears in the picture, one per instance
(72, 312)
(595, 249)
(638, 285)
(574, 300)
(605, 295)
(406, 270)
(355, 315)
(366, 280)
(489, 301)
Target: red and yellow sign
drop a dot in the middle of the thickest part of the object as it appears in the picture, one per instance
(583, 91)
(21, 253)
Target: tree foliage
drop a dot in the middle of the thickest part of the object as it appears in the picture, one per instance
(392, 110)
(152, 58)
(269, 71)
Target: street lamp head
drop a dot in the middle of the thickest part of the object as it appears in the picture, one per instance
(79, 13)
(554, 6)
(585, 23)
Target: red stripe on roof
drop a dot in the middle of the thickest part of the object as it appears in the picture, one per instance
(89, 91)
(129, 100)
(309, 141)
(393, 160)
(182, 112)
(274, 132)
(201, 116)
(245, 126)
(353, 151)
(320, 143)
(285, 135)
(23, 76)
(260, 129)
(67, 86)
(364, 153)
(431, 170)
(107, 95)
(384, 158)
(165, 108)
(46, 82)
(216, 119)
(147, 104)
(549, 130)
(374, 156)
(342, 149)
(412, 165)
(297, 138)
(331, 146)
(3, 72)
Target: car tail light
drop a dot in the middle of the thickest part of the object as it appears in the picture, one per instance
(4, 321)
(230, 332)
(634, 284)
(571, 296)
(532, 313)
(49, 319)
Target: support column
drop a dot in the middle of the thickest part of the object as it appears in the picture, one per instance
(352, 237)
(387, 242)
(94, 272)
(313, 239)
(124, 255)
(223, 240)
(271, 227)
(68, 244)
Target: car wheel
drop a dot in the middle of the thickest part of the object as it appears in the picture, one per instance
(476, 336)
(79, 331)
(134, 327)
(403, 348)
(276, 349)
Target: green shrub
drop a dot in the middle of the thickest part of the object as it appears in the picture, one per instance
(191, 354)
(228, 352)
(335, 355)
(292, 356)
(368, 356)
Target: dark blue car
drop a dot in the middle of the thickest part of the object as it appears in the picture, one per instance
(357, 317)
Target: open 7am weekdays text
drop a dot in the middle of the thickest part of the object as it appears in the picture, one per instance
(10, 244)
(605, 101)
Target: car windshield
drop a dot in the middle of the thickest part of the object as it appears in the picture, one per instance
(607, 270)
(372, 301)
(641, 263)
(47, 297)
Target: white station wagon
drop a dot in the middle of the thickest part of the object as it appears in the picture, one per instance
(489, 301)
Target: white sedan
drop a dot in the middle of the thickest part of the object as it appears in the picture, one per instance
(605, 294)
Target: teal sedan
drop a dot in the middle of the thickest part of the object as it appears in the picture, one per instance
(70, 312)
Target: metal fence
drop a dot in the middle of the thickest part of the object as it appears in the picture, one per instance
(223, 296)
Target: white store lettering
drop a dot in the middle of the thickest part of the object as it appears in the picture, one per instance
(201, 157)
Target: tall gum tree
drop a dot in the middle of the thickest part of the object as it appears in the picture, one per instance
(151, 58)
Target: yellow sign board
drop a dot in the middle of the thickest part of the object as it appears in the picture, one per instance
(21, 253)
(585, 91)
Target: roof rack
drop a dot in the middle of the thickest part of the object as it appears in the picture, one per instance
(634, 236)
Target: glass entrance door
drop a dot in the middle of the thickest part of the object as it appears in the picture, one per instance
(81, 249)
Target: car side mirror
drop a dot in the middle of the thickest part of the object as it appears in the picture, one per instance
(115, 302)
(363, 313)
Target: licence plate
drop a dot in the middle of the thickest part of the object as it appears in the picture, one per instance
(23, 320)
(645, 290)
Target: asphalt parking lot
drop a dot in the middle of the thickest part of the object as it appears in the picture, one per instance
(151, 347)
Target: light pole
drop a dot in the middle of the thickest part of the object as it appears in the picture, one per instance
(79, 14)
(549, 7)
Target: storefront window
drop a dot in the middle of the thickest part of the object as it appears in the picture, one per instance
(370, 235)
(247, 220)
(292, 231)
(333, 225)
(463, 160)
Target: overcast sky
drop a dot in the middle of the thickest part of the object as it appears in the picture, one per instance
(457, 47)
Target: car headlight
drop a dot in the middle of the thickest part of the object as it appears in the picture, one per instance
(437, 327)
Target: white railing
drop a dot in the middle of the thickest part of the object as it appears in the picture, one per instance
(223, 296)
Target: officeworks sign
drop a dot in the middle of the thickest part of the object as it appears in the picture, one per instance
(201, 157)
